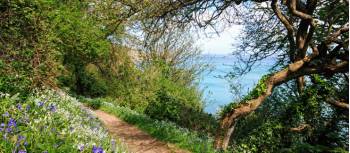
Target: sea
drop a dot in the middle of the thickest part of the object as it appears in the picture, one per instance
(216, 88)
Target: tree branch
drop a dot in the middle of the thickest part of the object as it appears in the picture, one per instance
(333, 37)
(342, 104)
(288, 26)
(293, 8)
(300, 128)
(294, 70)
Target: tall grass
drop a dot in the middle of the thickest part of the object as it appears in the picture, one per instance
(162, 130)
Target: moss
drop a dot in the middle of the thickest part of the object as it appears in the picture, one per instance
(259, 89)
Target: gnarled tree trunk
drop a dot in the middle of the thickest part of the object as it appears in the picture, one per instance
(300, 40)
(294, 70)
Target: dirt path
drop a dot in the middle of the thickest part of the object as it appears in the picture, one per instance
(136, 140)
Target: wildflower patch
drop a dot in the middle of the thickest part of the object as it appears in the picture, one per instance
(47, 122)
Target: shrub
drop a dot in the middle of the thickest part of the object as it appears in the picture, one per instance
(181, 105)
(94, 103)
(22, 66)
(84, 84)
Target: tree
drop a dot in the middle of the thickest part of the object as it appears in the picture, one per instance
(313, 35)
(292, 122)
(307, 54)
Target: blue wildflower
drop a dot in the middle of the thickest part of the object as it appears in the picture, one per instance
(22, 151)
(6, 114)
(2, 125)
(81, 147)
(52, 108)
(19, 106)
(45, 152)
(40, 103)
(12, 122)
(97, 149)
(25, 143)
(9, 129)
(28, 108)
(20, 138)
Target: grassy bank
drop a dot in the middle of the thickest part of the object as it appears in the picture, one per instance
(162, 130)
(47, 122)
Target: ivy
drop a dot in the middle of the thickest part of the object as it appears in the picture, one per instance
(259, 89)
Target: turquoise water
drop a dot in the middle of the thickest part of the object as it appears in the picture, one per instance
(217, 90)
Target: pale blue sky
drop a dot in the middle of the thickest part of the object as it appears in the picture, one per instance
(221, 44)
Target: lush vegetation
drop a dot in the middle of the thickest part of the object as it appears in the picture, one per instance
(140, 57)
(78, 46)
(92, 103)
(163, 130)
(285, 124)
(48, 122)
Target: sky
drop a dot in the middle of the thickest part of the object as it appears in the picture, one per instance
(222, 44)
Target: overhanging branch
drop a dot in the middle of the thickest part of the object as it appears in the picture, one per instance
(342, 104)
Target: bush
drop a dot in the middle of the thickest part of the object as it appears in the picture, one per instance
(94, 103)
(22, 66)
(84, 84)
(181, 105)
(170, 100)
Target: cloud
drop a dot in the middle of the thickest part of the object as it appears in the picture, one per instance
(224, 43)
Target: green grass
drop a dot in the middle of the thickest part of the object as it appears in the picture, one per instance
(162, 130)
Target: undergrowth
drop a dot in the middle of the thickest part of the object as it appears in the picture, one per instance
(162, 130)
(48, 122)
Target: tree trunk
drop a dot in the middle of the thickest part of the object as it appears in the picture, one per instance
(294, 70)
(300, 84)
(225, 133)
(227, 137)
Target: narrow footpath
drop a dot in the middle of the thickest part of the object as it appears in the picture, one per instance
(136, 140)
